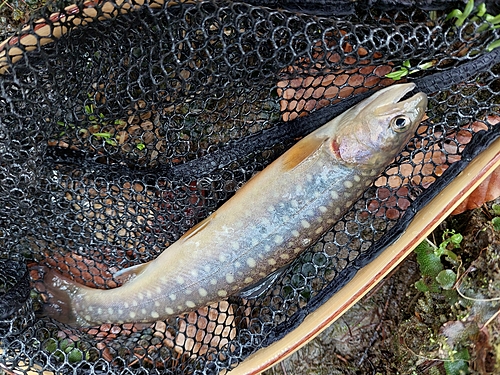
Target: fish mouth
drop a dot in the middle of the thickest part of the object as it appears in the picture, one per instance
(391, 97)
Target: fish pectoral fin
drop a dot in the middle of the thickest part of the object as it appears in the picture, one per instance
(129, 273)
(262, 286)
(301, 151)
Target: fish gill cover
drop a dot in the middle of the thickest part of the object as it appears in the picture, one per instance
(123, 124)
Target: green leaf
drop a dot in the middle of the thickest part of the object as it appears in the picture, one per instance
(460, 365)
(398, 74)
(496, 209)
(493, 45)
(75, 355)
(496, 223)
(141, 146)
(420, 285)
(456, 239)
(430, 263)
(446, 279)
(102, 135)
(481, 10)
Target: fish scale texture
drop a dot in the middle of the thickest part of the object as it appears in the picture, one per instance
(123, 133)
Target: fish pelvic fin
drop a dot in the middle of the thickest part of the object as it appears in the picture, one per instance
(60, 293)
(127, 274)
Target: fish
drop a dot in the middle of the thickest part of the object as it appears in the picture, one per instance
(267, 223)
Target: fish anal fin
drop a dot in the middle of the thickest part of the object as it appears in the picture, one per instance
(125, 275)
(301, 151)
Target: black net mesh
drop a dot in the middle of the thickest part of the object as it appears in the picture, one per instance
(142, 119)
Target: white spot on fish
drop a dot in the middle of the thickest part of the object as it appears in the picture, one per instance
(248, 280)
(305, 224)
(278, 240)
(110, 311)
(207, 268)
(297, 250)
(271, 208)
(237, 264)
(271, 261)
(251, 262)
(169, 310)
(155, 315)
(294, 203)
(132, 314)
(235, 245)
(319, 230)
(190, 304)
(172, 297)
(295, 233)
(334, 195)
(134, 303)
(306, 241)
(229, 278)
(120, 312)
(99, 311)
(348, 184)
(222, 293)
(90, 309)
(213, 281)
(309, 177)
(202, 292)
(88, 317)
(356, 178)
(188, 291)
(149, 294)
(285, 256)
(194, 272)
(337, 211)
(348, 204)
(222, 257)
(126, 305)
(143, 311)
(368, 183)
(254, 242)
(157, 303)
(158, 290)
(180, 280)
(323, 209)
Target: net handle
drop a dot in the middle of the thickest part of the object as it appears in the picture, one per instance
(369, 276)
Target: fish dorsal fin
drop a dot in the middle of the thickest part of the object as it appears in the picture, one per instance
(198, 227)
(127, 274)
(301, 151)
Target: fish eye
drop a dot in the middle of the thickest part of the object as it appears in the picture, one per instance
(400, 123)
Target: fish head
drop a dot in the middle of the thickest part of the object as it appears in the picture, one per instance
(372, 133)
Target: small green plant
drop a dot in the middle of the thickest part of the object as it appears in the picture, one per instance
(461, 16)
(496, 220)
(429, 257)
(406, 69)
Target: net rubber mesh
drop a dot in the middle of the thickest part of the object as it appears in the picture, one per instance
(137, 121)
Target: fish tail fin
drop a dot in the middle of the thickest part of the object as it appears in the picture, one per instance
(60, 293)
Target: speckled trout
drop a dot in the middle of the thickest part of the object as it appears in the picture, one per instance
(270, 220)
